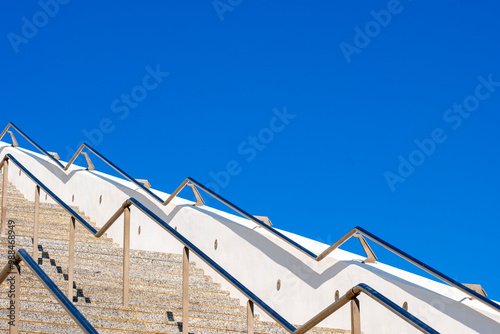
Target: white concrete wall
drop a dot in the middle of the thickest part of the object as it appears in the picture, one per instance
(258, 259)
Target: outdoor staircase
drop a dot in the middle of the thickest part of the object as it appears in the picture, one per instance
(155, 284)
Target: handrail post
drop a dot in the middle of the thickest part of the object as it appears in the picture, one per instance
(185, 291)
(250, 317)
(355, 317)
(71, 257)
(14, 141)
(370, 255)
(126, 255)
(14, 294)
(4, 194)
(199, 199)
(36, 219)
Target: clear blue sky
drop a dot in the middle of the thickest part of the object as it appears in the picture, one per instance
(388, 112)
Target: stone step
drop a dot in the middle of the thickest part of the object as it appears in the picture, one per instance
(43, 236)
(160, 306)
(203, 284)
(88, 289)
(94, 250)
(155, 283)
(117, 309)
(21, 202)
(82, 272)
(9, 184)
(158, 278)
(44, 244)
(113, 258)
(48, 226)
(144, 313)
(136, 297)
(85, 265)
(103, 298)
(93, 265)
(25, 213)
(31, 204)
(12, 193)
(114, 261)
(81, 234)
(57, 217)
(15, 196)
(26, 223)
(16, 202)
(135, 283)
(97, 316)
(105, 274)
(139, 322)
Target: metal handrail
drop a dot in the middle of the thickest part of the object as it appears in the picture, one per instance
(415, 262)
(13, 269)
(30, 140)
(371, 256)
(357, 232)
(78, 152)
(188, 182)
(115, 167)
(375, 295)
(189, 246)
(177, 235)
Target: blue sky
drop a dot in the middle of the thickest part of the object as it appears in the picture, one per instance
(321, 115)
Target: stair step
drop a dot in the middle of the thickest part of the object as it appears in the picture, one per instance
(136, 296)
(155, 304)
(62, 245)
(44, 209)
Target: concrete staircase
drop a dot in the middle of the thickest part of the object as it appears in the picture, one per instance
(155, 284)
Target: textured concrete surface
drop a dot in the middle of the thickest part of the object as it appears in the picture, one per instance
(155, 284)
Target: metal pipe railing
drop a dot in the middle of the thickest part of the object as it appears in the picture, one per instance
(350, 296)
(28, 139)
(188, 247)
(115, 167)
(78, 152)
(192, 182)
(357, 232)
(13, 270)
(370, 256)
(415, 262)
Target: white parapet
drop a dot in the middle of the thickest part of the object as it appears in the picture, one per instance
(257, 258)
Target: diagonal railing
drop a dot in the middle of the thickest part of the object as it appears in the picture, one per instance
(351, 296)
(89, 162)
(357, 232)
(12, 273)
(253, 299)
(15, 144)
(193, 184)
